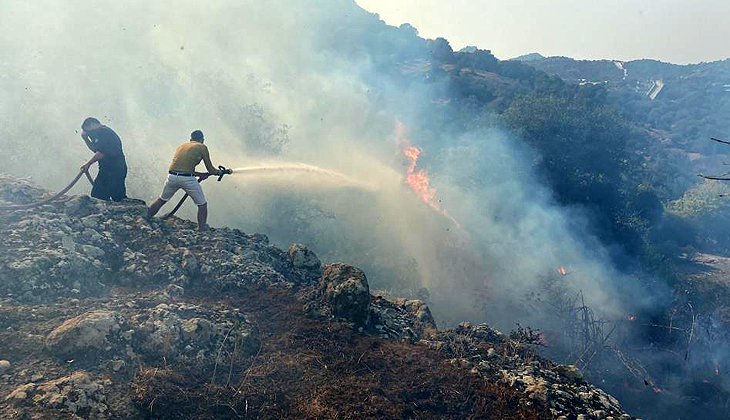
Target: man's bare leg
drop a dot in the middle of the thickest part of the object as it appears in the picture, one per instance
(202, 217)
(155, 207)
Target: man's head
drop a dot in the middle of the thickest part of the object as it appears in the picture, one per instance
(90, 124)
(197, 135)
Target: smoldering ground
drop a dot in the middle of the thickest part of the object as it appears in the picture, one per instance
(272, 83)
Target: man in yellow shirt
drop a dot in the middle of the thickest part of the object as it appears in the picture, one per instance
(182, 175)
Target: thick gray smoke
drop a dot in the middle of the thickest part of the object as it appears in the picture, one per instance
(257, 79)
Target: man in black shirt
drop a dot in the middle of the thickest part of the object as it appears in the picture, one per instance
(107, 148)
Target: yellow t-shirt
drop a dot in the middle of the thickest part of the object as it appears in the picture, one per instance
(188, 155)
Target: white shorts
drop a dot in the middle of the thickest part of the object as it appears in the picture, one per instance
(189, 184)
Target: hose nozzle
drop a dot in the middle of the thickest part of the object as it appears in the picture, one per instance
(224, 171)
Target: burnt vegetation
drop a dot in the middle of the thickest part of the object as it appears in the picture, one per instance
(307, 369)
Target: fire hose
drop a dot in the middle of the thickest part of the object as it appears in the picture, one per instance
(222, 171)
(54, 197)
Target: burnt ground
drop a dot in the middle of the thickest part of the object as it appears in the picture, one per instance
(310, 369)
(304, 369)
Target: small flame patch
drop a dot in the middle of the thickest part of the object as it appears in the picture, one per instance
(418, 180)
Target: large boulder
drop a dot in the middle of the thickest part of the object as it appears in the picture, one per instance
(87, 332)
(344, 289)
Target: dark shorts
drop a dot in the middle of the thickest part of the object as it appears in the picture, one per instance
(109, 184)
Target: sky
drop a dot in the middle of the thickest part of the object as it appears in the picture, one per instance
(677, 31)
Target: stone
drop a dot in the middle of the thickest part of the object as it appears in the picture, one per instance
(75, 393)
(571, 372)
(421, 312)
(197, 330)
(93, 251)
(190, 263)
(4, 366)
(174, 290)
(303, 258)
(80, 206)
(306, 264)
(20, 393)
(86, 332)
(345, 290)
(117, 364)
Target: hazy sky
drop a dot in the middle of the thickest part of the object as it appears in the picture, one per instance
(679, 31)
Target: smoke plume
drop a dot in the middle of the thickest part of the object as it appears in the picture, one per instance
(270, 84)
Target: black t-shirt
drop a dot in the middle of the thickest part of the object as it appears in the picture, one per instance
(106, 141)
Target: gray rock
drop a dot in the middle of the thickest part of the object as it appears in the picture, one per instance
(117, 364)
(80, 206)
(345, 290)
(190, 263)
(88, 331)
(303, 259)
(92, 251)
(76, 393)
(171, 330)
(197, 329)
(571, 372)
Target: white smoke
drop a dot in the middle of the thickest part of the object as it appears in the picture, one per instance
(262, 83)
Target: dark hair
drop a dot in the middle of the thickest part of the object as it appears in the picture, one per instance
(89, 121)
(196, 135)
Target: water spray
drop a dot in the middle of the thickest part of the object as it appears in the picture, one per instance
(297, 168)
(291, 168)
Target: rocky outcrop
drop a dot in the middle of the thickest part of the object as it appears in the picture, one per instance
(105, 295)
(559, 387)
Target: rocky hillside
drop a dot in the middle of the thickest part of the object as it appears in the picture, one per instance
(104, 315)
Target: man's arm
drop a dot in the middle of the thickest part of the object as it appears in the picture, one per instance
(97, 156)
(85, 137)
(208, 164)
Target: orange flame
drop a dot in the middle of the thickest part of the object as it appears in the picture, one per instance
(418, 180)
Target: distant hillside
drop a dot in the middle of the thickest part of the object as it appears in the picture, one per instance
(682, 105)
(529, 57)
